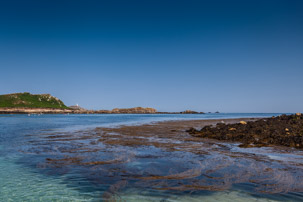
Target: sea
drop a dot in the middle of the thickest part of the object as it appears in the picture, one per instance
(41, 160)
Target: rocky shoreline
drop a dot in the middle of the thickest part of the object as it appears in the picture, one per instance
(284, 130)
(72, 110)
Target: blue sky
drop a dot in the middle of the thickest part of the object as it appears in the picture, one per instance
(230, 56)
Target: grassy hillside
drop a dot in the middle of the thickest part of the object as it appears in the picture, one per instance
(31, 101)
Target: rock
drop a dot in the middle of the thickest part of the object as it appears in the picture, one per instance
(189, 112)
(77, 107)
(191, 131)
(135, 110)
(284, 130)
(298, 114)
(243, 122)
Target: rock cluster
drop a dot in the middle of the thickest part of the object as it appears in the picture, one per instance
(191, 112)
(77, 107)
(284, 130)
(135, 110)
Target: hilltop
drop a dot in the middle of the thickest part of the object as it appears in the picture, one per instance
(27, 100)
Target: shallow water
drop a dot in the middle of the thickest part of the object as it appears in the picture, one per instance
(56, 158)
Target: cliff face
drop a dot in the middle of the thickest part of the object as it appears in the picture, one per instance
(27, 100)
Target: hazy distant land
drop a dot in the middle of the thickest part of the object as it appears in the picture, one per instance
(25, 103)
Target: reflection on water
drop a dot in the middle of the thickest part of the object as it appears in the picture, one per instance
(154, 162)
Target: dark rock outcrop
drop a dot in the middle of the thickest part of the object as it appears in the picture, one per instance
(284, 130)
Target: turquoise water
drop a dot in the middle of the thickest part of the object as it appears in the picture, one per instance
(40, 161)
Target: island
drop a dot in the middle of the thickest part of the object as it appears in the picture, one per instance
(27, 103)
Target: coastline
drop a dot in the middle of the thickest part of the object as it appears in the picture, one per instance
(24, 110)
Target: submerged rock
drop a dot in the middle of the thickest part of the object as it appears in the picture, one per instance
(284, 130)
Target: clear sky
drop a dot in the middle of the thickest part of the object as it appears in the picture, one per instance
(230, 56)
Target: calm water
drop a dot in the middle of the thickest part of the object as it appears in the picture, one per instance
(28, 172)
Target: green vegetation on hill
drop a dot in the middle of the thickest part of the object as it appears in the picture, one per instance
(31, 101)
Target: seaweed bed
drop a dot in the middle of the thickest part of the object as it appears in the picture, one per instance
(163, 157)
(284, 130)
